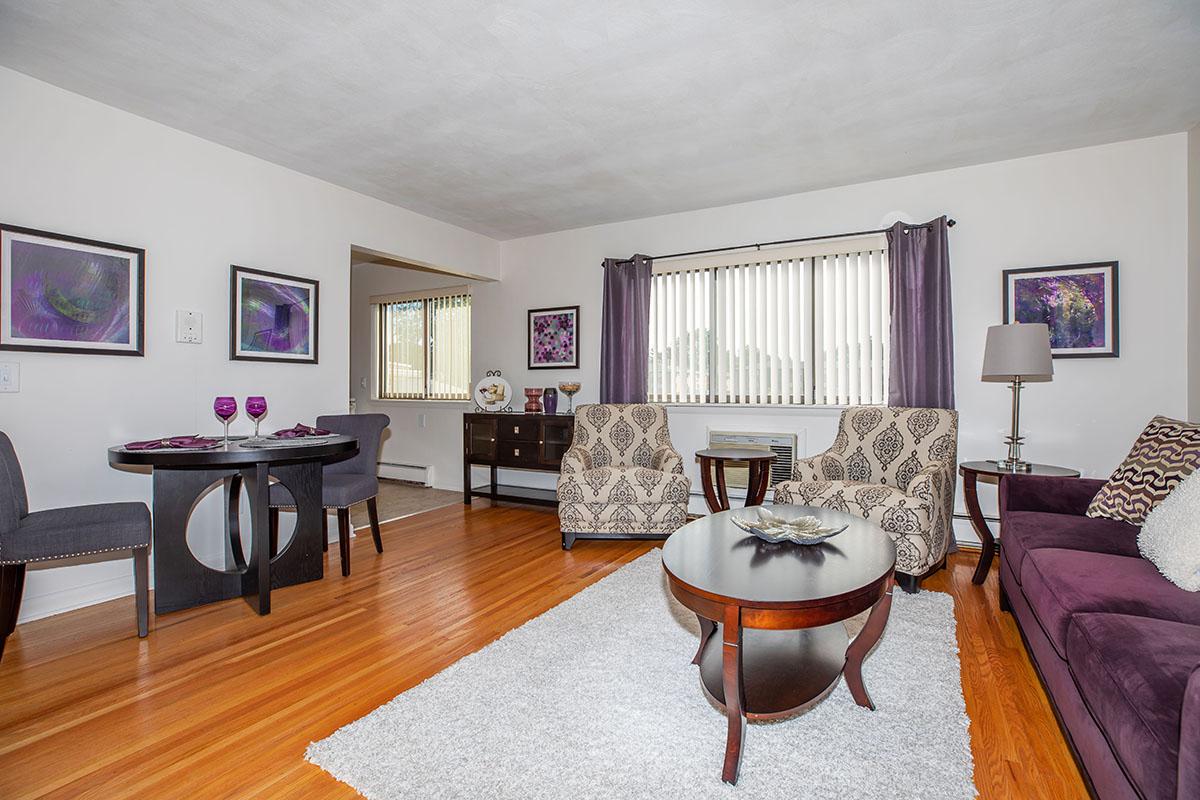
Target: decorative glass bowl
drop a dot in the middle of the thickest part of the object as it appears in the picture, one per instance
(772, 527)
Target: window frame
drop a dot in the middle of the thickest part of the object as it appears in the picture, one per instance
(378, 303)
(712, 263)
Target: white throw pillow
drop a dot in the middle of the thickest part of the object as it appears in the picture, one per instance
(1170, 537)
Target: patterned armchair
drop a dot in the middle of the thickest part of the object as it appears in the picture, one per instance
(895, 467)
(621, 478)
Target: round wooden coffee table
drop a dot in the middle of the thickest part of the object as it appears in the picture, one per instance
(776, 612)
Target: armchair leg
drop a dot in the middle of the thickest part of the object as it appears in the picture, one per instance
(343, 515)
(141, 588)
(568, 540)
(911, 584)
(373, 513)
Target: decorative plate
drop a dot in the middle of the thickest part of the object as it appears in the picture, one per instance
(773, 528)
(493, 393)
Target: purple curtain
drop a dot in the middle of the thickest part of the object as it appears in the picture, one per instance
(922, 362)
(625, 330)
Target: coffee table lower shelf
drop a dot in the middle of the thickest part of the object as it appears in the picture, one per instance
(782, 670)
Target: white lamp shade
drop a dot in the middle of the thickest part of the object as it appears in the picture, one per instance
(1018, 351)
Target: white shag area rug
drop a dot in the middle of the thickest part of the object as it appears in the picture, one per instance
(597, 698)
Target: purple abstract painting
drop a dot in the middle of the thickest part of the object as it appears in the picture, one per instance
(553, 338)
(1072, 305)
(275, 317)
(69, 295)
(1078, 303)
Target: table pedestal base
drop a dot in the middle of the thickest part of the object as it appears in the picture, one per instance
(182, 581)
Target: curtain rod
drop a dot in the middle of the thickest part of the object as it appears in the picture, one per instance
(760, 245)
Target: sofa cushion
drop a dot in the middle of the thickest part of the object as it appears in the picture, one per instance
(623, 485)
(1132, 673)
(1061, 583)
(1165, 453)
(1024, 531)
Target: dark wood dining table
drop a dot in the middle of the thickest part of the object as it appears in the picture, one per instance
(182, 477)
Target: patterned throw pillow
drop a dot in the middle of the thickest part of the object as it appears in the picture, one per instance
(1164, 454)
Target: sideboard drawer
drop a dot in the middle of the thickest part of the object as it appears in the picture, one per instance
(517, 454)
(517, 430)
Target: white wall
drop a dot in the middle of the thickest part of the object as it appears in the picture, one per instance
(74, 166)
(1125, 201)
(1193, 204)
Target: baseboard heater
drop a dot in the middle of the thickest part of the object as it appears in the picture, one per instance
(413, 473)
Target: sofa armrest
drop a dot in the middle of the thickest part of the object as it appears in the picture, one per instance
(576, 459)
(930, 484)
(1189, 739)
(1041, 493)
(666, 459)
(821, 467)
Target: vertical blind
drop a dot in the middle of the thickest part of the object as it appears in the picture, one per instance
(423, 346)
(784, 331)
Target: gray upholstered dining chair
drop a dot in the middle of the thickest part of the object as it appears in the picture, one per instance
(345, 483)
(27, 537)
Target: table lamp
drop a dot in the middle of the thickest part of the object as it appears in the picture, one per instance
(1016, 355)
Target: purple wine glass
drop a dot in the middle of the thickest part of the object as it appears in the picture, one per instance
(225, 408)
(256, 407)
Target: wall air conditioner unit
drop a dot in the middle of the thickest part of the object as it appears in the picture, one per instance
(737, 473)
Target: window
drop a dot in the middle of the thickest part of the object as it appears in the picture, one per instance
(423, 345)
(799, 325)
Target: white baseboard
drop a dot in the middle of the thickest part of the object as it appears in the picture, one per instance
(70, 598)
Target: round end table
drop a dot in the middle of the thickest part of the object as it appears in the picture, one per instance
(771, 638)
(990, 472)
(756, 487)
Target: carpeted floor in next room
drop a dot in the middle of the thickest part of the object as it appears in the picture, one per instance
(219, 702)
(399, 499)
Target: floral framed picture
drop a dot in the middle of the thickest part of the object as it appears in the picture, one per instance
(1078, 302)
(272, 317)
(554, 338)
(63, 294)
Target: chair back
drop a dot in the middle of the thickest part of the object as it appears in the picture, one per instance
(368, 429)
(14, 503)
(877, 444)
(621, 434)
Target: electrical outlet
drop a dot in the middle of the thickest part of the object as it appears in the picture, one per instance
(189, 327)
(10, 376)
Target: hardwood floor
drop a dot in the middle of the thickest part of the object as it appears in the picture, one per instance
(219, 702)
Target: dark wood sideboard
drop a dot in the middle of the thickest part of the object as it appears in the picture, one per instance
(514, 441)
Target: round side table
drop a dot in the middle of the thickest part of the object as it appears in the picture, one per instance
(987, 471)
(756, 488)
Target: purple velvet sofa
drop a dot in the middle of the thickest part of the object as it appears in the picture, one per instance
(1117, 646)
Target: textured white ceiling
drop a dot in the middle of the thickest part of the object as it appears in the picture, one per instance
(515, 118)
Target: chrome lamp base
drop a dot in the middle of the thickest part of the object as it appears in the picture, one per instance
(1014, 462)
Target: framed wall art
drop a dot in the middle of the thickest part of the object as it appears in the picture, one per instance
(64, 294)
(1078, 302)
(272, 317)
(554, 338)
